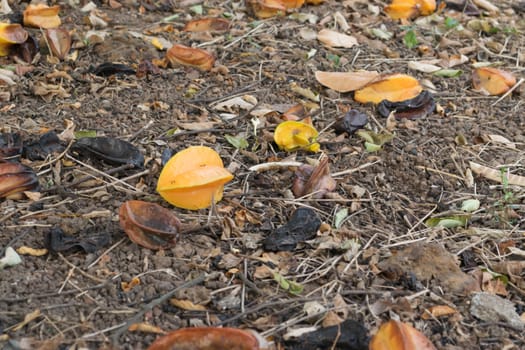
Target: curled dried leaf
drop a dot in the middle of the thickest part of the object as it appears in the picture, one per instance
(331, 38)
(417, 107)
(267, 8)
(316, 180)
(11, 34)
(394, 88)
(149, 224)
(59, 41)
(293, 135)
(193, 178)
(207, 24)
(16, 178)
(345, 81)
(27, 50)
(189, 56)
(492, 81)
(42, 16)
(207, 338)
(395, 335)
(352, 121)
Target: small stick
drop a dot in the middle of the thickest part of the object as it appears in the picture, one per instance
(439, 172)
(148, 307)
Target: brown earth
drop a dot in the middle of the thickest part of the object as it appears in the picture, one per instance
(424, 171)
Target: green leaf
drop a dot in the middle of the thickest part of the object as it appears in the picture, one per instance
(339, 217)
(197, 9)
(238, 142)
(448, 73)
(470, 205)
(169, 19)
(451, 22)
(410, 39)
(336, 60)
(85, 133)
(381, 34)
(448, 221)
(289, 286)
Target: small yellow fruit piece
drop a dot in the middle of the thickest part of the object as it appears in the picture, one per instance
(492, 81)
(268, 8)
(193, 177)
(394, 88)
(11, 34)
(405, 9)
(293, 135)
(292, 4)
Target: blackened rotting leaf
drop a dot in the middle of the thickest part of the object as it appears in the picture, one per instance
(348, 335)
(10, 145)
(166, 155)
(57, 241)
(107, 69)
(352, 121)
(111, 150)
(415, 108)
(302, 226)
(27, 50)
(48, 143)
(464, 6)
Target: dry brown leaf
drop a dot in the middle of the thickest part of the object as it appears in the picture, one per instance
(395, 335)
(495, 175)
(394, 88)
(438, 311)
(345, 81)
(332, 38)
(492, 81)
(187, 305)
(146, 328)
(42, 16)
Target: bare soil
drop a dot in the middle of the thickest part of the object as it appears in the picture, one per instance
(423, 172)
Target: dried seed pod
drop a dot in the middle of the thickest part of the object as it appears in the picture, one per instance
(417, 107)
(189, 56)
(316, 180)
(268, 8)
(395, 335)
(207, 24)
(42, 16)
(207, 338)
(11, 34)
(192, 178)
(59, 41)
(149, 224)
(16, 178)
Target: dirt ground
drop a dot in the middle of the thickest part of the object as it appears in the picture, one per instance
(75, 299)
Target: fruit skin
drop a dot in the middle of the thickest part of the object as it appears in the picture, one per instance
(206, 338)
(192, 177)
(394, 88)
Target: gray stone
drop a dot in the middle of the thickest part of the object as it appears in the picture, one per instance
(492, 308)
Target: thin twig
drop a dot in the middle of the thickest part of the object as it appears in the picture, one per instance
(148, 307)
